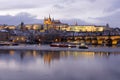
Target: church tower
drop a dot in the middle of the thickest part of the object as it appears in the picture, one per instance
(76, 24)
(47, 21)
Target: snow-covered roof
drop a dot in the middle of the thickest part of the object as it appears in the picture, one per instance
(3, 31)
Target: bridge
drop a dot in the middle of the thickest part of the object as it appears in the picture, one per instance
(95, 40)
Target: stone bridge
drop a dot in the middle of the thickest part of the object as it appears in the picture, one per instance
(94, 39)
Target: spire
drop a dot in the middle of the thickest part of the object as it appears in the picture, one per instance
(53, 19)
(76, 23)
(22, 26)
(49, 16)
(107, 25)
(44, 17)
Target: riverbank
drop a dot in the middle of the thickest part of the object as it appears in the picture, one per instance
(47, 47)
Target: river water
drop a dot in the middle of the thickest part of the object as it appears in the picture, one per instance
(59, 65)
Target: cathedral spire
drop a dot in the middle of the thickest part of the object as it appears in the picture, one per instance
(49, 19)
(49, 16)
(76, 23)
(53, 19)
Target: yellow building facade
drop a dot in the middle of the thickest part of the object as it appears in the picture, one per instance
(86, 28)
(47, 21)
(55, 24)
(33, 26)
(11, 27)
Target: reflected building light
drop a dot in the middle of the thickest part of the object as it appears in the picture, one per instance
(62, 54)
(68, 53)
(12, 52)
(77, 54)
(101, 54)
(47, 58)
(87, 54)
(34, 53)
(28, 53)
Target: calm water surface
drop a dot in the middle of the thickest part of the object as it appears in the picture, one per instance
(59, 65)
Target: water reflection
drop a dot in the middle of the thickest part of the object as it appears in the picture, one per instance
(59, 65)
(49, 56)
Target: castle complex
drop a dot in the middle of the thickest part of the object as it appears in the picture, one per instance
(50, 23)
(56, 24)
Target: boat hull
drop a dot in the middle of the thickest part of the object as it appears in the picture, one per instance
(83, 47)
(62, 45)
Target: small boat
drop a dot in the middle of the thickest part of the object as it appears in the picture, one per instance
(83, 46)
(71, 45)
(55, 44)
(63, 45)
(8, 44)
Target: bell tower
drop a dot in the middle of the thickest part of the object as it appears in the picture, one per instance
(48, 21)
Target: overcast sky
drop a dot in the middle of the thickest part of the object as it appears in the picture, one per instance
(83, 11)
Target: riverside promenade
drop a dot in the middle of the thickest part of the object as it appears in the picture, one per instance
(48, 48)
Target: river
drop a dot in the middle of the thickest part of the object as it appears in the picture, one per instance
(59, 65)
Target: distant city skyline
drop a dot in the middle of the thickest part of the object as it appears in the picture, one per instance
(98, 12)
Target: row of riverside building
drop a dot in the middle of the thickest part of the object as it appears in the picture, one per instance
(38, 32)
(57, 25)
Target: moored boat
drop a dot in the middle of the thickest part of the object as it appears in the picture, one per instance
(55, 44)
(83, 46)
(63, 45)
(8, 44)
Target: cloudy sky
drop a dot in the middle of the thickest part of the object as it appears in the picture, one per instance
(97, 12)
